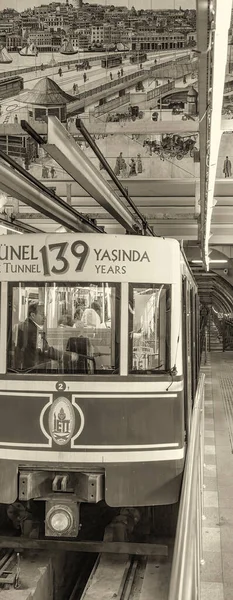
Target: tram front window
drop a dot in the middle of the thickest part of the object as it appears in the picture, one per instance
(149, 328)
(63, 329)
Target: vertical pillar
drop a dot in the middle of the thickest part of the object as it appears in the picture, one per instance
(197, 209)
(68, 193)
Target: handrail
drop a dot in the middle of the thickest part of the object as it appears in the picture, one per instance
(185, 574)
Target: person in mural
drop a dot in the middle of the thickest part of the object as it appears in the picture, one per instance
(44, 172)
(32, 348)
(227, 167)
(84, 77)
(120, 167)
(16, 120)
(132, 168)
(139, 163)
(53, 172)
(75, 88)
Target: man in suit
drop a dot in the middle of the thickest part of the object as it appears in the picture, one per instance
(227, 167)
(32, 348)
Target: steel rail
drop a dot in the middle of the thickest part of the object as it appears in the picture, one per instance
(19, 226)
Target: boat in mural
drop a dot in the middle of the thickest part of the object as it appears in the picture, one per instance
(52, 62)
(29, 50)
(4, 56)
(68, 48)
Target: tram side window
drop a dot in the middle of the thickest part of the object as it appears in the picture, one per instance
(63, 328)
(149, 328)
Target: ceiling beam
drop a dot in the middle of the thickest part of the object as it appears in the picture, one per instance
(21, 185)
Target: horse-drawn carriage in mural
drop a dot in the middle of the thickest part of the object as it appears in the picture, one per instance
(172, 146)
(131, 114)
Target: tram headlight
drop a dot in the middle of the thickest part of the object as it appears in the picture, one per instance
(62, 519)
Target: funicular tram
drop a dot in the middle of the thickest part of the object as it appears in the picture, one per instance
(99, 364)
(111, 61)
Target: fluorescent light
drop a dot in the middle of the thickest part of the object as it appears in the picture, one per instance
(11, 229)
(210, 261)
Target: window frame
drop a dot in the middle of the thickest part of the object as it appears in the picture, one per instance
(147, 372)
(70, 284)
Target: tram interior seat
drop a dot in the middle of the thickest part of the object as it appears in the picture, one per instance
(99, 340)
(82, 346)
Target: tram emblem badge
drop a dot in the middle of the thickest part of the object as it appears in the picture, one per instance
(61, 421)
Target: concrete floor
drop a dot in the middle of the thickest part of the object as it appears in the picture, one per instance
(217, 572)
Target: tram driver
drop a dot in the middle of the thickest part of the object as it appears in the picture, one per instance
(32, 348)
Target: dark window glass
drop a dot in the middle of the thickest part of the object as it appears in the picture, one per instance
(149, 328)
(56, 328)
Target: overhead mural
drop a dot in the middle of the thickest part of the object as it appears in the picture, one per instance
(127, 89)
(148, 156)
(225, 156)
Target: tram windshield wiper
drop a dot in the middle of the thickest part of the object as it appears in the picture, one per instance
(154, 369)
(148, 371)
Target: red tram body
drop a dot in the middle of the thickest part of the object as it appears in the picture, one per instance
(98, 365)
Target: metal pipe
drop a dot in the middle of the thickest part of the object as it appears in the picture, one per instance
(80, 125)
(15, 185)
(79, 222)
(32, 132)
(62, 147)
(16, 225)
(84, 172)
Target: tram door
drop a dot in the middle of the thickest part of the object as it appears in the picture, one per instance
(187, 362)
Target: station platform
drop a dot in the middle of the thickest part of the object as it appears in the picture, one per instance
(217, 570)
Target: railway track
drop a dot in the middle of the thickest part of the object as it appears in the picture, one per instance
(124, 577)
(9, 569)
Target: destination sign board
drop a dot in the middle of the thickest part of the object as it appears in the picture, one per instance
(84, 257)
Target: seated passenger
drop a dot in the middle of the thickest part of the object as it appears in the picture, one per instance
(66, 321)
(91, 316)
(32, 348)
(78, 316)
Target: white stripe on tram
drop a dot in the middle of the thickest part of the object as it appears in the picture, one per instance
(130, 456)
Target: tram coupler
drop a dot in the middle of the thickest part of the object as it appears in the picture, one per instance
(39, 485)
